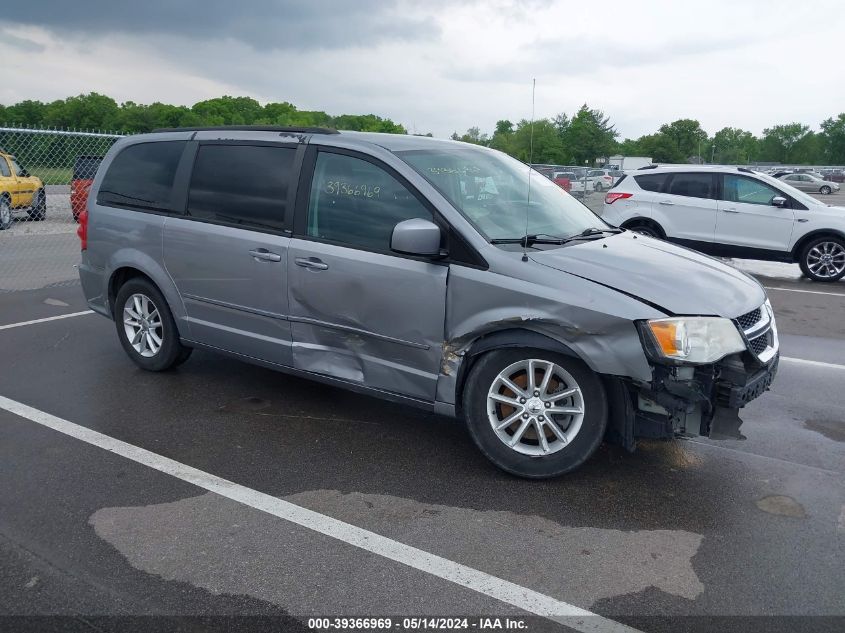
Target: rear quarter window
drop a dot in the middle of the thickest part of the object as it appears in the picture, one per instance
(85, 167)
(651, 182)
(141, 176)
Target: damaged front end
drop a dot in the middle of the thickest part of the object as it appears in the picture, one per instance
(698, 399)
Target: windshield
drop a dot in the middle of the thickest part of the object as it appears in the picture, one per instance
(491, 190)
(784, 186)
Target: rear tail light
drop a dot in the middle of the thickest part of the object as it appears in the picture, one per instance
(82, 229)
(612, 197)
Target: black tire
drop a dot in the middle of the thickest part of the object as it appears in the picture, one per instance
(38, 211)
(643, 228)
(809, 257)
(171, 352)
(481, 379)
(5, 213)
(825, 190)
(599, 187)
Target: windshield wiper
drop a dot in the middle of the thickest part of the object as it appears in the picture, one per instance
(544, 238)
(527, 240)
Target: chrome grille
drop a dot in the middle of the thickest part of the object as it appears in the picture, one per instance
(750, 319)
(758, 345)
(760, 332)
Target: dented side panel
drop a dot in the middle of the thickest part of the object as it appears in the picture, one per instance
(369, 318)
(595, 322)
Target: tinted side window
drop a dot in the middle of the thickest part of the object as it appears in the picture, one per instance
(651, 182)
(85, 167)
(241, 184)
(142, 175)
(747, 190)
(357, 203)
(691, 185)
(4, 168)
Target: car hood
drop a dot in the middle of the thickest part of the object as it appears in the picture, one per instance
(672, 278)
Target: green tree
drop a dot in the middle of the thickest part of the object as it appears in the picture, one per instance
(779, 141)
(833, 140)
(588, 136)
(547, 146)
(733, 146)
(88, 112)
(502, 138)
(661, 148)
(687, 137)
(228, 110)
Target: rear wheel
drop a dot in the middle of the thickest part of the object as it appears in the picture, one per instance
(823, 259)
(146, 328)
(38, 210)
(599, 187)
(534, 413)
(825, 190)
(5, 214)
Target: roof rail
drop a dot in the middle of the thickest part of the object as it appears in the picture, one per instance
(745, 169)
(652, 166)
(251, 128)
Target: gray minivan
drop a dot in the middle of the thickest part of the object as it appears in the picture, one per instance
(435, 273)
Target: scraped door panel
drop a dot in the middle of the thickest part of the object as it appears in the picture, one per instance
(369, 318)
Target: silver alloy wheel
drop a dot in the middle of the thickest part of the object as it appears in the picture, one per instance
(142, 324)
(826, 259)
(5, 214)
(535, 407)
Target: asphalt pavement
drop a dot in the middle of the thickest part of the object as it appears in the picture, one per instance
(131, 501)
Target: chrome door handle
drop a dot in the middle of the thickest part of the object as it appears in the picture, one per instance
(262, 254)
(311, 262)
(731, 210)
(668, 203)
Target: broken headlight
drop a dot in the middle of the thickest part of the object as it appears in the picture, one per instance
(697, 340)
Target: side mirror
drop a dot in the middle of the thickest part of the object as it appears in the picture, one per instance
(416, 237)
(779, 201)
(23, 173)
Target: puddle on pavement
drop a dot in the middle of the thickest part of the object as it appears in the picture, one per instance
(831, 429)
(782, 506)
(224, 547)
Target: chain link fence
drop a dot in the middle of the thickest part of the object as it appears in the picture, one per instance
(44, 180)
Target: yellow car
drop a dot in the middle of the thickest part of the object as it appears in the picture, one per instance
(19, 191)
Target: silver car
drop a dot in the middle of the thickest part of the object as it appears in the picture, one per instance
(811, 183)
(438, 274)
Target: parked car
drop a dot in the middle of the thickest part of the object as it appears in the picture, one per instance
(19, 191)
(732, 212)
(84, 170)
(418, 270)
(809, 182)
(563, 179)
(601, 178)
(835, 175)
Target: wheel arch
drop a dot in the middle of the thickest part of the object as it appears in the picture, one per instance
(627, 224)
(805, 239)
(504, 339)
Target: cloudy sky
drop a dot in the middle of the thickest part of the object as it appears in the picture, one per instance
(439, 65)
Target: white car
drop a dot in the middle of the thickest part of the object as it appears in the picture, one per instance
(731, 212)
(602, 179)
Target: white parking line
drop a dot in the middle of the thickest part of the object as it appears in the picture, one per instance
(815, 363)
(510, 593)
(809, 292)
(52, 318)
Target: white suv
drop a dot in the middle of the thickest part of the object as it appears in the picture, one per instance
(731, 212)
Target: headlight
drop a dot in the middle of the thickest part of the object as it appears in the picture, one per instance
(695, 339)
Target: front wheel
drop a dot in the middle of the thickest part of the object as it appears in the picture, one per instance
(38, 211)
(534, 413)
(823, 259)
(825, 190)
(146, 328)
(5, 214)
